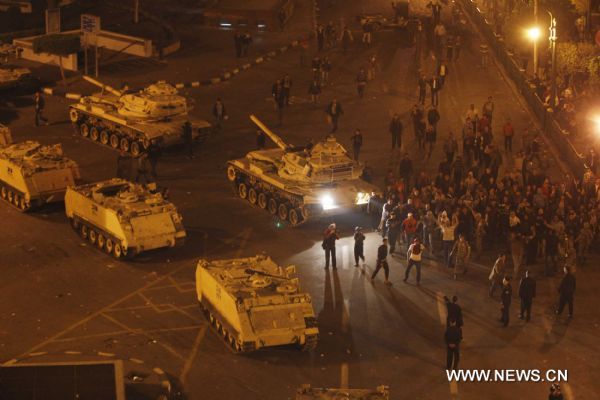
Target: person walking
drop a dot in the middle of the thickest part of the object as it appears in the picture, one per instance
(567, 292)
(315, 91)
(382, 252)
(396, 128)
(422, 87)
(330, 236)
(461, 252)
(505, 300)
(40, 104)
(359, 248)
(454, 312)
(413, 257)
(286, 84)
(392, 227)
(526, 293)
(357, 142)
(334, 110)
(188, 139)
(555, 392)
(488, 109)
(448, 228)
(497, 273)
(452, 337)
(434, 87)
(261, 139)
(325, 70)
(346, 39)
(361, 83)
(409, 226)
(508, 132)
(219, 112)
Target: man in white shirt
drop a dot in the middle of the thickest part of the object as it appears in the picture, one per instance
(413, 256)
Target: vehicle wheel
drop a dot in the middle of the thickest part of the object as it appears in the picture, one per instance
(75, 224)
(295, 216)
(84, 231)
(262, 200)
(114, 141)
(92, 236)
(100, 241)
(252, 196)
(136, 148)
(94, 133)
(124, 143)
(10, 196)
(243, 190)
(305, 212)
(283, 211)
(73, 115)
(16, 200)
(118, 250)
(272, 206)
(84, 130)
(104, 136)
(3, 192)
(109, 246)
(231, 173)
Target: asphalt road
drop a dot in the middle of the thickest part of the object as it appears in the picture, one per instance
(59, 295)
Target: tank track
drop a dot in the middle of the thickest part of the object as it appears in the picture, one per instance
(224, 332)
(100, 239)
(287, 207)
(15, 198)
(107, 134)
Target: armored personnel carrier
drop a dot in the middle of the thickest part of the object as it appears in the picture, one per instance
(123, 218)
(306, 392)
(296, 183)
(32, 175)
(13, 77)
(130, 121)
(254, 303)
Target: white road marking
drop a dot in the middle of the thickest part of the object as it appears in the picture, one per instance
(344, 376)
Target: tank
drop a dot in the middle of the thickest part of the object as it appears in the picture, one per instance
(295, 183)
(32, 174)
(122, 218)
(5, 136)
(131, 120)
(13, 77)
(306, 392)
(254, 303)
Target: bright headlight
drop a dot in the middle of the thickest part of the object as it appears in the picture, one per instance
(362, 198)
(327, 202)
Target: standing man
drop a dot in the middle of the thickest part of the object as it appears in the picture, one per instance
(433, 117)
(488, 109)
(392, 227)
(567, 291)
(509, 132)
(346, 39)
(454, 312)
(320, 37)
(334, 110)
(506, 299)
(461, 253)
(413, 257)
(40, 103)
(361, 83)
(442, 72)
(287, 88)
(357, 141)
(359, 248)
(315, 91)
(261, 139)
(452, 338)
(422, 85)
(188, 139)
(450, 147)
(382, 253)
(396, 128)
(409, 225)
(434, 85)
(219, 112)
(329, 238)
(497, 273)
(526, 293)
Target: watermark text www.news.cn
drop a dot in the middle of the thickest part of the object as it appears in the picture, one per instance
(507, 375)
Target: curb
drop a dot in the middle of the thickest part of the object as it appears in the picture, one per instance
(165, 383)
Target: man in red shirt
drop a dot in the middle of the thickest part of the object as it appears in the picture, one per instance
(509, 132)
(410, 228)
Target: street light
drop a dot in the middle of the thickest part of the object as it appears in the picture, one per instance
(534, 34)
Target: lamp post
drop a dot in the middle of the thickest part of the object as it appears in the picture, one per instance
(552, 37)
(534, 34)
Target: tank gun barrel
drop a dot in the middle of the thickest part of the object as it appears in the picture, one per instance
(103, 86)
(251, 271)
(274, 137)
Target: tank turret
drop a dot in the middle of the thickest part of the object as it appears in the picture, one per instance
(123, 218)
(129, 120)
(295, 183)
(32, 174)
(254, 303)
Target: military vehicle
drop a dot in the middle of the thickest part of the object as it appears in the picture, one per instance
(123, 218)
(130, 121)
(297, 183)
(5, 136)
(13, 77)
(32, 175)
(254, 303)
(306, 392)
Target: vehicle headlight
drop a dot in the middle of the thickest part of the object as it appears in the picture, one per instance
(362, 198)
(327, 202)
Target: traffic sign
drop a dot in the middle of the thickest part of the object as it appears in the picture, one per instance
(90, 23)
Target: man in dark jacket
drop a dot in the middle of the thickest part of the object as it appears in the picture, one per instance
(433, 117)
(334, 110)
(526, 293)
(382, 253)
(567, 291)
(329, 238)
(454, 312)
(40, 103)
(452, 338)
(506, 299)
(396, 128)
(406, 169)
(357, 141)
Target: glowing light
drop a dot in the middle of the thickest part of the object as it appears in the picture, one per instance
(362, 198)
(534, 33)
(327, 202)
(225, 24)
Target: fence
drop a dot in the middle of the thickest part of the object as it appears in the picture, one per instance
(550, 125)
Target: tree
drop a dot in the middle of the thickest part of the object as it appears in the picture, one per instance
(59, 45)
